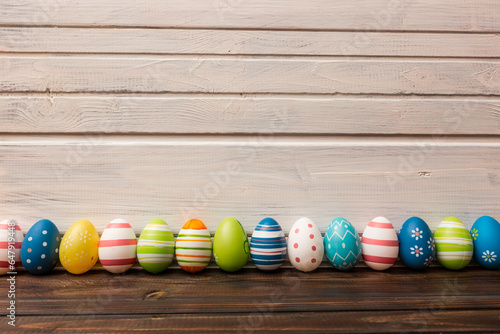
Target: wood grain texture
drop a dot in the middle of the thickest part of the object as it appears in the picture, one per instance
(251, 290)
(259, 114)
(248, 75)
(139, 178)
(361, 300)
(416, 15)
(471, 321)
(248, 42)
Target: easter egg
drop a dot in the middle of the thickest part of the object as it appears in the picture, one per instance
(231, 247)
(305, 245)
(268, 245)
(416, 244)
(486, 239)
(118, 246)
(155, 249)
(193, 248)
(342, 244)
(453, 244)
(79, 247)
(11, 239)
(380, 244)
(40, 248)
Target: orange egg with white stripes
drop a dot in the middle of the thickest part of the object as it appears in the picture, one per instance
(118, 247)
(193, 248)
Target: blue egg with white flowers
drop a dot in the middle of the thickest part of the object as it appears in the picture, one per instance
(486, 239)
(416, 244)
(40, 249)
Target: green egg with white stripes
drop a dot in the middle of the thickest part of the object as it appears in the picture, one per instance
(454, 246)
(155, 249)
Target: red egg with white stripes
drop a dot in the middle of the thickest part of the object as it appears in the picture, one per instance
(11, 239)
(118, 247)
(380, 244)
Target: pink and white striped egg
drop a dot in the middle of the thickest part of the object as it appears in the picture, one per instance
(118, 247)
(305, 245)
(380, 244)
(11, 236)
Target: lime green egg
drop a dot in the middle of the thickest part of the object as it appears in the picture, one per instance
(454, 246)
(155, 249)
(231, 247)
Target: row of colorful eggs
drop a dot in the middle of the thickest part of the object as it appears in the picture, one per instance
(118, 248)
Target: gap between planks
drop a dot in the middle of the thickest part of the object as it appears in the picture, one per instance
(245, 96)
(250, 55)
(286, 58)
(260, 140)
(49, 93)
(13, 25)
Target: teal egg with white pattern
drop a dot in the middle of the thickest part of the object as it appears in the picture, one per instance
(342, 244)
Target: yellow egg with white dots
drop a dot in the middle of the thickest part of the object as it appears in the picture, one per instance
(79, 247)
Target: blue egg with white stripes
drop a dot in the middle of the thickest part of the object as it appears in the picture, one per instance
(40, 249)
(268, 245)
(342, 244)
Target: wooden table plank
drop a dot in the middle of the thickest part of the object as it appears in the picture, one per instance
(271, 322)
(250, 290)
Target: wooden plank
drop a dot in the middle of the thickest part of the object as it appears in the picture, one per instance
(248, 75)
(251, 290)
(251, 114)
(248, 42)
(139, 178)
(417, 15)
(268, 322)
(209, 114)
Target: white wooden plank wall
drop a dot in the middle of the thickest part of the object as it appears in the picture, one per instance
(180, 109)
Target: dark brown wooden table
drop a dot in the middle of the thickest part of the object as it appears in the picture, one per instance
(251, 301)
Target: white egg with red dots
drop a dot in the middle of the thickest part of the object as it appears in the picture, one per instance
(305, 245)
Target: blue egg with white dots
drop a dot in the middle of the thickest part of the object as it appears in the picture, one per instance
(40, 249)
(416, 244)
